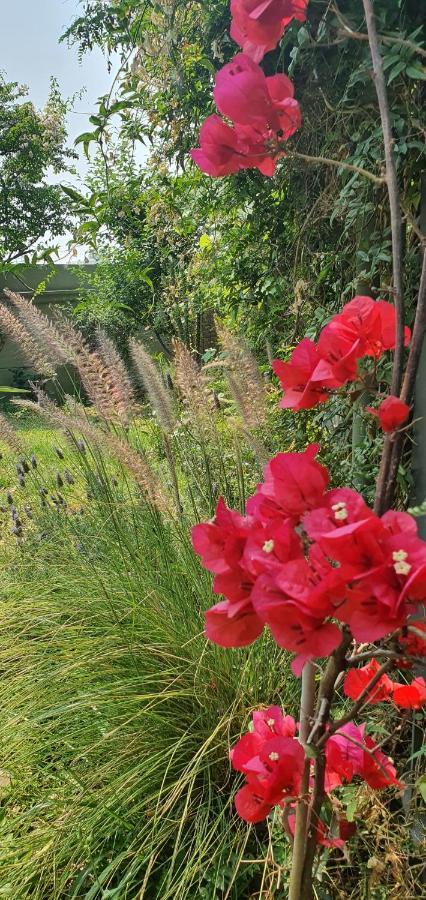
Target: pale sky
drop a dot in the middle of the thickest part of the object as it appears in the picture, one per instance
(30, 53)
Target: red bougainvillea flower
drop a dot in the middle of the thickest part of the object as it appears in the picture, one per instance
(324, 836)
(304, 634)
(392, 413)
(273, 769)
(377, 769)
(413, 644)
(245, 95)
(410, 696)
(258, 25)
(364, 327)
(296, 377)
(388, 562)
(293, 484)
(230, 628)
(357, 680)
(221, 542)
(269, 546)
(342, 506)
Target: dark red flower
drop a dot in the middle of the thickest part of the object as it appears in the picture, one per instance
(358, 679)
(410, 696)
(258, 25)
(413, 644)
(392, 413)
(377, 769)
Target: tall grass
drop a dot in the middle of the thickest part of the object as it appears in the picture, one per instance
(117, 716)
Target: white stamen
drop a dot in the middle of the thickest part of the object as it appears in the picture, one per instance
(399, 555)
(340, 511)
(402, 568)
(268, 546)
(274, 756)
(270, 722)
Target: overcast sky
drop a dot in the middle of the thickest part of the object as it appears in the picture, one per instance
(30, 53)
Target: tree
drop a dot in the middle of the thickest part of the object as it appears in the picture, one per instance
(32, 211)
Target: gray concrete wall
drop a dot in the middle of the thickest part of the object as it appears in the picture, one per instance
(61, 289)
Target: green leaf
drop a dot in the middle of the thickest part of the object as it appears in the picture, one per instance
(421, 787)
(416, 72)
(4, 389)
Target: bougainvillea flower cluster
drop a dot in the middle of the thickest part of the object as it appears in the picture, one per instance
(406, 696)
(258, 25)
(364, 328)
(391, 413)
(263, 113)
(272, 759)
(305, 560)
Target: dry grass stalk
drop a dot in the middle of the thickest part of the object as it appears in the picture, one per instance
(192, 386)
(115, 364)
(8, 435)
(42, 330)
(245, 380)
(159, 396)
(32, 354)
(96, 377)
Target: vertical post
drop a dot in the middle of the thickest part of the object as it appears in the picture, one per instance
(299, 847)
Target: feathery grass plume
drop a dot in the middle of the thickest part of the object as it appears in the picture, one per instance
(142, 472)
(192, 386)
(115, 364)
(56, 417)
(8, 435)
(32, 353)
(159, 396)
(41, 328)
(97, 379)
(245, 380)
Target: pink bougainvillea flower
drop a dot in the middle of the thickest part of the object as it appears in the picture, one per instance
(306, 635)
(293, 484)
(388, 572)
(301, 392)
(387, 329)
(220, 542)
(357, 680)
(258, 25)
(349, 753)
(344, 754)
(227, 628)
(270, 545)
(410, 696)
(392, 413)
(342, 506)
(225, 150)
(272, 764)
(245, 95)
